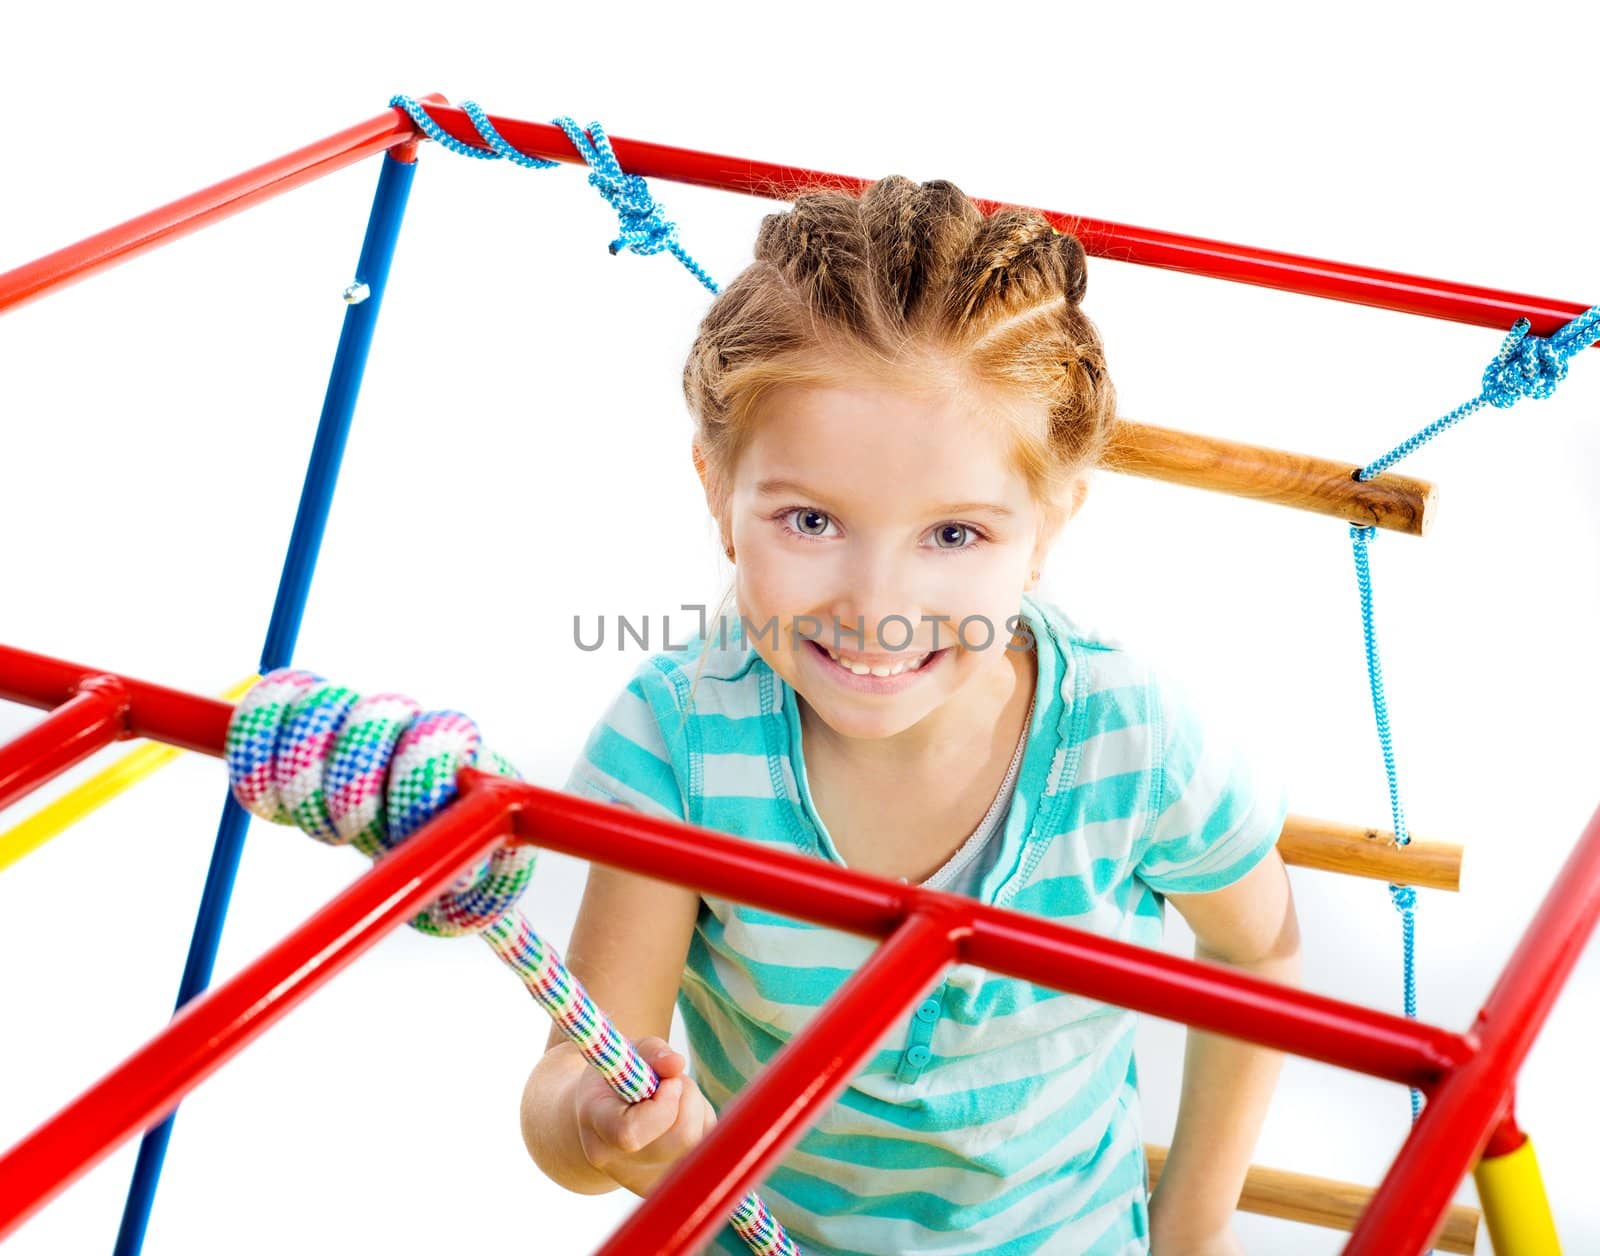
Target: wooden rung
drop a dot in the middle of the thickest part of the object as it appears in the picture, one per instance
(1399, 503)
(1325, 1201)
(1333, 847)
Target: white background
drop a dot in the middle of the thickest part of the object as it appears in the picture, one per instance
(520, 455)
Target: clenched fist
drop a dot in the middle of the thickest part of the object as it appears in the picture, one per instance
(636, 1143)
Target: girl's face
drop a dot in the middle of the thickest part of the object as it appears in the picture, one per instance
(856, 503)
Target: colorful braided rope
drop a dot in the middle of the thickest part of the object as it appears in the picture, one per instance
(368, 772)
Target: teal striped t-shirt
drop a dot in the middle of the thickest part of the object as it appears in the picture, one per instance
(997, 1116)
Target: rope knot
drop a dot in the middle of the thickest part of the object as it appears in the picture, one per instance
(368, 772)
(1525, 366)
(644, 230)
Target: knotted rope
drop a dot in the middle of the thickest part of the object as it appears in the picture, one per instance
(644, 229)
(1524, 366)
(368, 772)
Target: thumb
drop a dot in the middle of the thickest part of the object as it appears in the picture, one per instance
(659, 1055)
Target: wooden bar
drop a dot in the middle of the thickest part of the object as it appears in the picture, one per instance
(1330, 846)
(1398, 503)
(1326, 1202)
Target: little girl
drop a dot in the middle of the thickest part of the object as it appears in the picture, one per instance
(897, 408)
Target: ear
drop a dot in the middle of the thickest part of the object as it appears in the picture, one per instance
(1058, 517)
(708, 485)
(1080, 490)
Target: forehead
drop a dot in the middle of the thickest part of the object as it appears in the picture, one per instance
(878, 446)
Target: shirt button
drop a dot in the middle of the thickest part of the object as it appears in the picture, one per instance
(928, 1011)
(918, 1055)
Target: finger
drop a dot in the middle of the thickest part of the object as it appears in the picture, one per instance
(642, 1123)
(685, 1131)
(610, 1115)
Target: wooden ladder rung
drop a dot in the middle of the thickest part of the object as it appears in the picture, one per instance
(1326, 1202)
(1358, 851)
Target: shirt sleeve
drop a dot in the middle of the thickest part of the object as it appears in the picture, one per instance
(627, 757)
(1214, 811)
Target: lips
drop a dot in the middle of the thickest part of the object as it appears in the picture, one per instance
(863, 665)
(868, 682)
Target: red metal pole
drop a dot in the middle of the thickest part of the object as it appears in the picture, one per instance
(154, 711)
(1477, 1070)
(1290, 272)
(209, 1031)
(117, 244)
(1213, 997)
(1209, 996)
(1241, 263)
(769, 1116)
(1453, 1129)
(67, 736)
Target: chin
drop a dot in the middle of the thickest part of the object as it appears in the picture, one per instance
(862, 725)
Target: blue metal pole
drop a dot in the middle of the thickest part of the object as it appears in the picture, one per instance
(322, 474)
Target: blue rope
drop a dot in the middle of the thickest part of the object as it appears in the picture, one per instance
(1525, 366)
(644, 229)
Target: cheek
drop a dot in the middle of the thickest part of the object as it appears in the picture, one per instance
(991, 613)
(774, 578)
(977, 582)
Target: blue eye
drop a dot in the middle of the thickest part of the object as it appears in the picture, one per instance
(803, 513)
(811, 518)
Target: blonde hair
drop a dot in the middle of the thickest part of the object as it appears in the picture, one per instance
(887, 282)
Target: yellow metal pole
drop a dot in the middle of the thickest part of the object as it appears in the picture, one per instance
(99, 789)
(1515, 1207)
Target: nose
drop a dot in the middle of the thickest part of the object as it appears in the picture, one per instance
(877, 608)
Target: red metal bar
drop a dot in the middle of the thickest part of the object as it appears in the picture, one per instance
(1289, 272)
(1215, 998)
(1470, 1077)
(154, 711)
(1209, 996)
(67, 736)
(213, 1028)
(55, 270)
(1241, 263)
(1453, 1129)
(769, 1115)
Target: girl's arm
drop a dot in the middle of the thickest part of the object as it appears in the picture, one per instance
(1227, 1084)
(628, 949)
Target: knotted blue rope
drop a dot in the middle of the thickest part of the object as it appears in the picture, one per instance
(644, 229)
(1525, 366)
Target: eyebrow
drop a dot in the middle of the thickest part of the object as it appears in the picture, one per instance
(772, 488)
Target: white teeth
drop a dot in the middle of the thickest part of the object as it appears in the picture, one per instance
(881, 669)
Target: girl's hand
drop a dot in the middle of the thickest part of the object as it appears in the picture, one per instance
(635, 1144)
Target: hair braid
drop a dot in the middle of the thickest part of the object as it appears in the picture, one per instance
(881, 281)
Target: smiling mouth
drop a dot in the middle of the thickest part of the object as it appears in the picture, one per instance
(862, 667)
